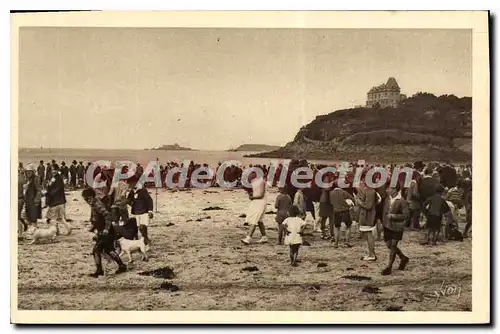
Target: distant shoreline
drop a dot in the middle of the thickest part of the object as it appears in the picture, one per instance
(254, 148)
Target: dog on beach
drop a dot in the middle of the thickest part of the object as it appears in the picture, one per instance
(131, 246)
(44, 233)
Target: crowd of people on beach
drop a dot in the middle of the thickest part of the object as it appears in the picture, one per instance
(437, 192)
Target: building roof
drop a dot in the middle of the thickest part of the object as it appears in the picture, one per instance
(391, 85)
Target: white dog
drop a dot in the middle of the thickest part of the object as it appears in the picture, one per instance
(44, 233)
(130, 246)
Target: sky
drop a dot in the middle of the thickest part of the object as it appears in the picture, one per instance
(215, 89)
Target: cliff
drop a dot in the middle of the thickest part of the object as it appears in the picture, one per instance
(423, 127)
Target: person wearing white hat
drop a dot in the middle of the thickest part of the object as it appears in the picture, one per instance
(32, 195)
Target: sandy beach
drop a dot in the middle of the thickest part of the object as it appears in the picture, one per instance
(211, 266)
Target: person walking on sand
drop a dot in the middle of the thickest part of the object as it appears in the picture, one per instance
(56, 200)
(395, 214)
(101, 220)
(366, 201)
(256, 209)
(141, 205)
(282, 205)
(294, 228)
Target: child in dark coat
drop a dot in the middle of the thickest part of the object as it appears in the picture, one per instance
(434, 208)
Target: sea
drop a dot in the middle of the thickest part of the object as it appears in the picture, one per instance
(212, 158)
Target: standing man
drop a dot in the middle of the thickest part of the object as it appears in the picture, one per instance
(80, 174)
(56, 200)
(142, 209)
(256, 209)
(395, 214)
(64, 173)
(48, 173)
(101, 220)
(41, 172)
(72, 172)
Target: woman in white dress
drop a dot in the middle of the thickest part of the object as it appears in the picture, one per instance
(256, 209)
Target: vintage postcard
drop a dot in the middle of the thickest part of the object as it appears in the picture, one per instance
(289, 167)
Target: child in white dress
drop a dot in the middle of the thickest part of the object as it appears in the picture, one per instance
(294, 227)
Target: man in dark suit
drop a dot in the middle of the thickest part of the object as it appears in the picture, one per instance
(41, 172)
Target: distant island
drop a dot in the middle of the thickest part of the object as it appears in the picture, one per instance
(254, 148)
(175, 147)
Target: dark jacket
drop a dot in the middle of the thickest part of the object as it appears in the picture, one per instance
(399, 211)
(80, 171)
(33, 192)
(33, 198)
(338, 197)
(72, 170)
(366, 199)
(140, 201)
(65, 171)
(427, 187)
(100, 217)
(40, 170)
(48, 172)
(55, 192)
(435, 206)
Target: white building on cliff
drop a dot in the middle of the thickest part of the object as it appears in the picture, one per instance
(386, 95)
